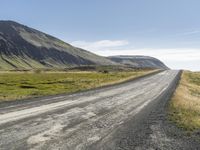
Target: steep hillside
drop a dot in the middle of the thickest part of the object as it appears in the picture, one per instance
(139, 61)
(22, 47)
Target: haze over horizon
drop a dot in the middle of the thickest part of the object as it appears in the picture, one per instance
(167, 30)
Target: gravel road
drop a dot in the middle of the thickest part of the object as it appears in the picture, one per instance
(107, 118)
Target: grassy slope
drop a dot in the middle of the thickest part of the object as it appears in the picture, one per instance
(185, 105)
(11, 63)
(24, 85)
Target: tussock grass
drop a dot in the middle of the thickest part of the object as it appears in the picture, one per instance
(20, 85)
(185, 105)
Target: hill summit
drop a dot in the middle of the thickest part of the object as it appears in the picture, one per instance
(138, 61)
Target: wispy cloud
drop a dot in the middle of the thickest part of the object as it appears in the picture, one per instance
(176, 58)
(100, 45)
(191, 32)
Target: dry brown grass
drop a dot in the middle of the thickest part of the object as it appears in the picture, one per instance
(185, 105)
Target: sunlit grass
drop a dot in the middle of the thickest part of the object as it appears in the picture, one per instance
(24, 85)
(185, 105)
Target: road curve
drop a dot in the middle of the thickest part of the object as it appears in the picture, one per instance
(87, 120)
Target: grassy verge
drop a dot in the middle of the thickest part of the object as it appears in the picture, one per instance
(184, 108)
(21, 85)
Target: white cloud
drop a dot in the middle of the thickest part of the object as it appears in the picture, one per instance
(174, 58)
(169, 54)
(100, 45)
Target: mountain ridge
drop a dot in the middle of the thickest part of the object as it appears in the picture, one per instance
(25, 48)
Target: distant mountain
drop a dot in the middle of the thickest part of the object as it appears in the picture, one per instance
(22, 47)
(139, 62)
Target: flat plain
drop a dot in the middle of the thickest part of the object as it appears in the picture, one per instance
(21, 85)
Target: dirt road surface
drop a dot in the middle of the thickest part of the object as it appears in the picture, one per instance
(115, 117)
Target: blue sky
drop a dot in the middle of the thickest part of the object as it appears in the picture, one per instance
(166, 29)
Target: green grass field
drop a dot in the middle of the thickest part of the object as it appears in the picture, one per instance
(21, 85)
(184, 107)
